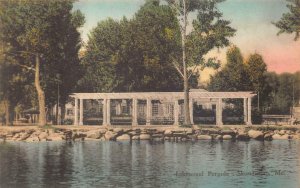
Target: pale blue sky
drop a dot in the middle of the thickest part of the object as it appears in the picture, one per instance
(251, 18)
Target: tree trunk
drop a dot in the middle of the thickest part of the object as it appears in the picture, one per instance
(7, 112)
(187, 120)
(40, 92)
(56, 113)
(63, 111)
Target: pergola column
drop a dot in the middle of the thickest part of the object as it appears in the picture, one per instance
(219, 114)
(245, 110)
(191, 111)
(148, 113)
(81, 112)
(118, 108)
(176, 110)
(108, 112)
(134, 112)
(76, 112)
(249, 120)
(104, 111)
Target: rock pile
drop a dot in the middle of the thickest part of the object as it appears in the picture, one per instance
(159, 134)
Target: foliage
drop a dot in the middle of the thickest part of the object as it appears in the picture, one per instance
(257, 70)
(234, 76)
(44, 30)
(132, 55)
(208, 31)
(256, 116)
(284, 93)
(290, 22)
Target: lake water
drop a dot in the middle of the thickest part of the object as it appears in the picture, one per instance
(204, 164)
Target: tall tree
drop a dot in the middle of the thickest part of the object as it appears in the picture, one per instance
(290, 22)
(133, 55)
(100, 57)
(150, 37)
(33, 31)
(257, 69)
(209, 30)
(234, 76)
(12, 81)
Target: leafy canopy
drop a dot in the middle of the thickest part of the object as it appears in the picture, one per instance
(290, 22)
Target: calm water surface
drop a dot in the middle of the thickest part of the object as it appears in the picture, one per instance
(204, 164)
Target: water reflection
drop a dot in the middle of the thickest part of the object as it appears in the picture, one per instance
(124, 164)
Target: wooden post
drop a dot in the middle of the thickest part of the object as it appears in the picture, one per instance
(81, 112)
(191, 105)
(104, 112)
(108, 112)
(134, 112)
(245, 111)
(249, 121)
(76, 112)
(176, 114)
(148, 114)
(219, 113)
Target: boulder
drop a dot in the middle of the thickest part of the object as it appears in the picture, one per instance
(243, 136)
(132, 133)
(210, 131)
(123, 137)
(219, 137)
(33, 139)
(145, 137)
(282, 132)
(168, 132)
(227, 137)
(228, 132)
(78, 136)
(118, 130)
(189, 131)
(268, 136)
(94, 134)
(43, 135)
(258, 135)
(281, 137)
(16, 136)
(55, 137)
(23, 136)
(136, 137)
(109, 135)
(204, 137)
(102, 131)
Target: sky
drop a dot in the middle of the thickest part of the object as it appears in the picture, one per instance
(251, 18)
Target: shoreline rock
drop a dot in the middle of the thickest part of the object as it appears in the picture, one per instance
(158, 134)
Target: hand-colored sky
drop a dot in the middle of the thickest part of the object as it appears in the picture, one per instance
(251, 18)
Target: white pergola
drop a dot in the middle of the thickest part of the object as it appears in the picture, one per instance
(174, 97)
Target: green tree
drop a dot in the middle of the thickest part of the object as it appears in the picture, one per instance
(234, 76)
(257, 69)
(209, 30)
(11, 87)
(133, 55)
(272, 85)
(290, 22)
(100, 57)
(145, 63)
(38, 32)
